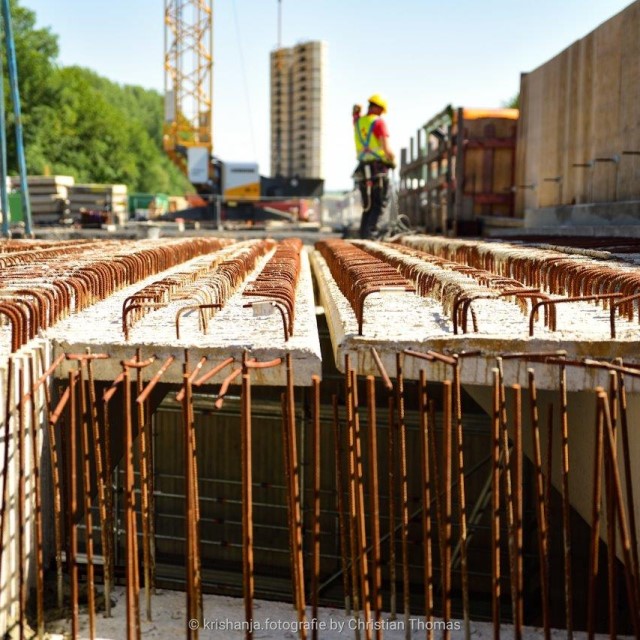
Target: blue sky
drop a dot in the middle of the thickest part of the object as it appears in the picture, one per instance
(420, 54)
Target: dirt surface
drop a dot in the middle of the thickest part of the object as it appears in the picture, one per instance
(224, 620)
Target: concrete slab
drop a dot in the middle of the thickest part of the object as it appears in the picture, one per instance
(231, 331)
(398, 321)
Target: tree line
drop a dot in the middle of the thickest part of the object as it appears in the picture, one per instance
(79, 123)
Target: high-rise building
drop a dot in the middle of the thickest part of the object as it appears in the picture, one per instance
(297, 110)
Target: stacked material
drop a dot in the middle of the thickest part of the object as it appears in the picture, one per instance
(99, 197)
(48, 196)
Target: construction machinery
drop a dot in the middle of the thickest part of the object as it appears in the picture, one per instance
(188, 62)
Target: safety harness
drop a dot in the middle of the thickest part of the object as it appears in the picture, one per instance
(368, 158)
(365, 142)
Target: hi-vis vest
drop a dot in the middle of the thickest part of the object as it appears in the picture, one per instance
(368, 146)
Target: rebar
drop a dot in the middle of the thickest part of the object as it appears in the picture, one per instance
(425, 428)
(543, 543)
(595, 515)
(340, 504)
(376, 568)
(315, 526)
(43, 285)
(495, 505)
(247, 501)
(294, 489)
(404, 493)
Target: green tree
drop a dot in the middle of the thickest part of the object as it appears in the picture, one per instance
(514, 102)
(81, 124)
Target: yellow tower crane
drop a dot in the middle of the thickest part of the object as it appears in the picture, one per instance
(188, 86)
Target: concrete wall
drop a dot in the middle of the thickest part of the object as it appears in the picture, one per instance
(10, 573)
(578, 107)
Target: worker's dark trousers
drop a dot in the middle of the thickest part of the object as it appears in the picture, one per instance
(373, 205)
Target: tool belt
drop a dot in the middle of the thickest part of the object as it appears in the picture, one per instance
(370, 170)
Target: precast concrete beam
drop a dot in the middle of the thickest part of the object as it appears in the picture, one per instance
(232, 331)
(399, 320)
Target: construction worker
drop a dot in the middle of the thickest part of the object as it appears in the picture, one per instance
(375, 158)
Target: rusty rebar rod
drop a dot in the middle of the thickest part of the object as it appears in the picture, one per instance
(391, 462)
(191, 598)
(315, 525)
(543, 542)
(626, 456)
(383, 372)
(437, 484)
(360, 507)
(21, 524)
(417, 354)
(247, 501)
(425, 428)
(155, 379)
(290, 520)
(110, 501)
(495, 506)
(357, 581)
(103, 485)
(86, 486)
(192, 377)
(549, 468)
(278, 306)
(374, 493)
(553, 303)
(195, 496)
(112, 390)
(57, 491)
(131, 556)
(45, 374)
(145, 470)
(296, 515)
(207, 376)
(196, 307)
(72, 483)
(518, 512)
(404, 494)
(457, 389)
(5, 457)
(446, 507)
(566, 504)
(610, 448)
(595, 515)
(611, 523)
(508, 489)
(337, 439)
(612, 311)
(454, 361)
(224, 387)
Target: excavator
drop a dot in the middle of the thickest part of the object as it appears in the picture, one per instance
(230, 191)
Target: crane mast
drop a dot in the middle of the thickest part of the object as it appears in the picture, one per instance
(188, 86)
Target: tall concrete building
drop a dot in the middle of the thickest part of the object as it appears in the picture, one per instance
(297, 110)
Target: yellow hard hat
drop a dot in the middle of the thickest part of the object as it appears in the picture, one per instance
(379, 101)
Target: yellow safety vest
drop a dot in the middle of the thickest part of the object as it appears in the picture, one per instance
(368, 146)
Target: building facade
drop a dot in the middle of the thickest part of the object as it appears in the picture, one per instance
(297, 110)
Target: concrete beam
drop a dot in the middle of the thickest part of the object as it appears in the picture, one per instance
(398, 321)
(232, 331)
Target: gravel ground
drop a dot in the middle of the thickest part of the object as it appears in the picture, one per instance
(224, 620)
